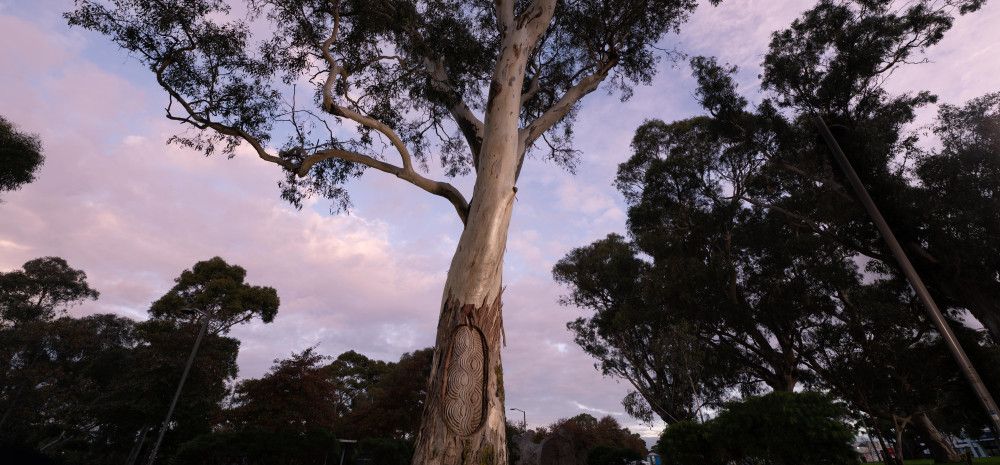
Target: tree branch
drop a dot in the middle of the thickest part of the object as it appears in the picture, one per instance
(470, 125)
(505, 15)
(438, 188)
(564, 105)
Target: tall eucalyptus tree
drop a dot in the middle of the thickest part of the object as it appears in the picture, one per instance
(480, 83)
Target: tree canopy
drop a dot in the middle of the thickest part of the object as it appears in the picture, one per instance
(216, 290)
(744, 238)
(20, 156)
(41, 290)
(408, 76)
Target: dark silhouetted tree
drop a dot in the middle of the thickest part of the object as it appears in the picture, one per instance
(20, 156)
(297, 394)
(29, 298)
(213, 296)
(41, 290)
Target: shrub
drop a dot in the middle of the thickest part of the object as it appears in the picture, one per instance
(689, 443)
(608, 455)
(780, 428)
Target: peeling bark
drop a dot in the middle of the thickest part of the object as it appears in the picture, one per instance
(464, 416)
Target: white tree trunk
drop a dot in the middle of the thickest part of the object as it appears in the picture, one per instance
(463, 420)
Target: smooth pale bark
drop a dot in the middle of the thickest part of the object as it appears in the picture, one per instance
(464, 419)
(943, 450)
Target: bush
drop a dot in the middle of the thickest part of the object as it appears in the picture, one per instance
(689, 443)
(607, 455)
(780, 428)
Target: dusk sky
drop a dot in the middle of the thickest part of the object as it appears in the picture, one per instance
(133, 212)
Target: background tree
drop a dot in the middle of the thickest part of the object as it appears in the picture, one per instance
(20, 156)
(96, 386)
(41, 290)
(957, 191)
(633, 337)
(503, 78)
(215, 292)
(260, 448)
(833, 61)
(884, 358)
(573, 440)
(606, 455)
(296, 394)
(303, 398)
(213, 295)
(355, 377)
(29, 298)
(748, 193)
(159, 358)
(58, 397)
(393, 410)
(708, 296)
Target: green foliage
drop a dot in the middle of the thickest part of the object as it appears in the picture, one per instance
(786, 428)
(216, 290)
(420, 68)
(20, 156)
(744, 236)
(352, 396)
(689, 442)
(260, 448)
(780, 428)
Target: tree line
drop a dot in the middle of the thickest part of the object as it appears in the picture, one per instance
(749, 265)
(95, 389)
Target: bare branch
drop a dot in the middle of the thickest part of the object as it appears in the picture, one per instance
(564, 105)
(438, 188)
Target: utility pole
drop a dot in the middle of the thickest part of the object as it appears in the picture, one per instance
(911, 275)
(180, 386)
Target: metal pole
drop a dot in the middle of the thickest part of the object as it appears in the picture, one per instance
(177, 394)
(911, 275)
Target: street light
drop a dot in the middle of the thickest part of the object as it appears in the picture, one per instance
(524, 418)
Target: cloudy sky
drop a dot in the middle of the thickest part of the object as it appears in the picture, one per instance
(132, 212)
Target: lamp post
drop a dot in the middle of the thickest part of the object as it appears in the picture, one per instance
(524, 418)
(911, 275)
